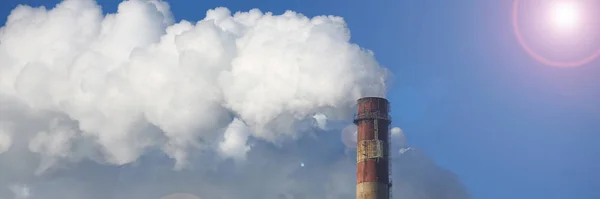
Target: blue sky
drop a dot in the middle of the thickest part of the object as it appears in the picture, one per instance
(465, 92)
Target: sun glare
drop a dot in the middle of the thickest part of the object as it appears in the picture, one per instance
(564, 33)
(565, 14)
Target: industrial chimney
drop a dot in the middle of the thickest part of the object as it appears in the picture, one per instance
(372, 155)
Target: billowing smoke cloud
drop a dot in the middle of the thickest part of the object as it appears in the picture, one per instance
(95, 106)
(134, 81)
(234, 142)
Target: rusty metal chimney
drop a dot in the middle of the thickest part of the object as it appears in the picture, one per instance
(372, 154)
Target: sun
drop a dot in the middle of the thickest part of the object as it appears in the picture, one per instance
(562, 33)
(565, 15)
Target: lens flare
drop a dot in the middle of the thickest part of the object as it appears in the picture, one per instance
(562, 33)
(565, 15)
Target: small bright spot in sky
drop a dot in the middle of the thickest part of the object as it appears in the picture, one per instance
(302, 164)
(565, 14)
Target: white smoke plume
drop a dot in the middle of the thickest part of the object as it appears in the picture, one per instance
(111, 87)
(396, 131)
(398, 137)
(113, 97)
(5, 137)
(234, 141)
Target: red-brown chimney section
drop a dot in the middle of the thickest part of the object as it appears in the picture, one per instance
(372, 162)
